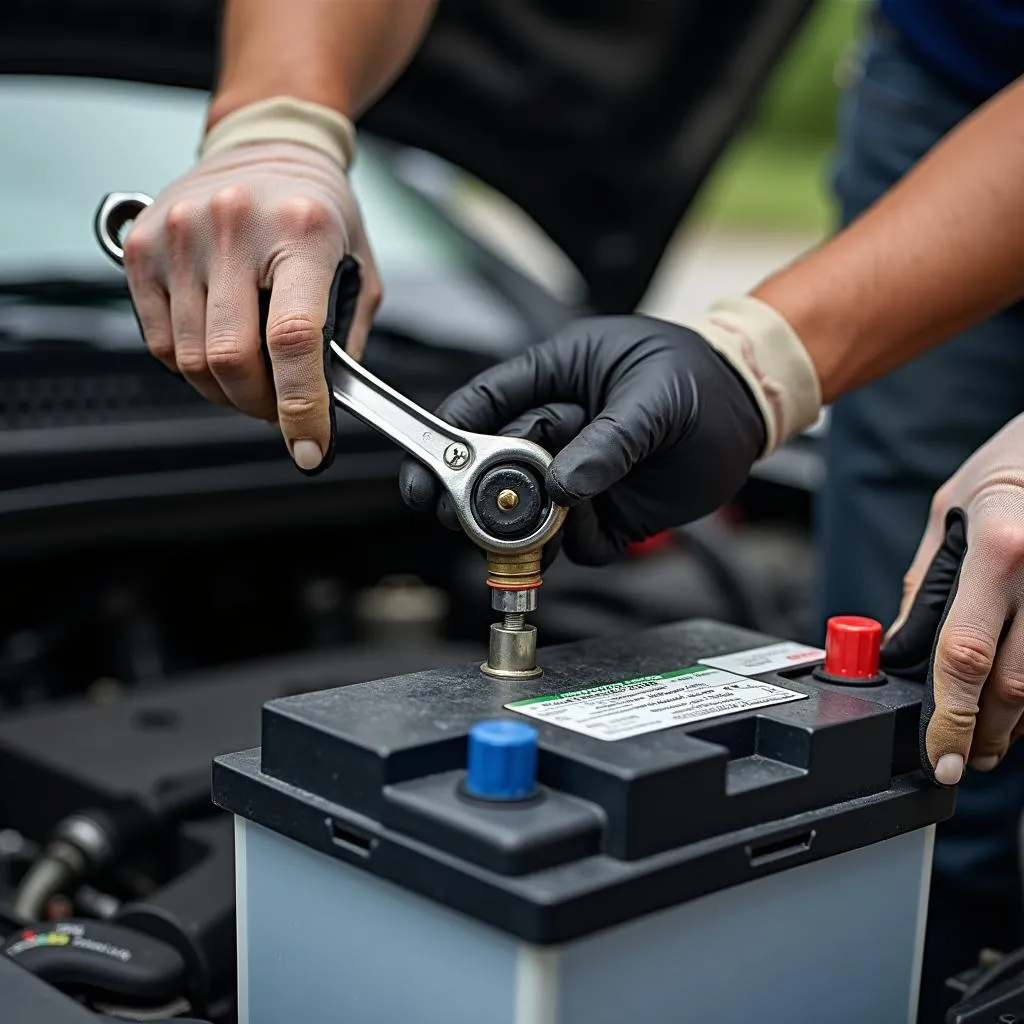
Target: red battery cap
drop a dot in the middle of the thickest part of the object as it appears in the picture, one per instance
(852, 647)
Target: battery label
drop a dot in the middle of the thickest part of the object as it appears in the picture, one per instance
(631, 707)
(772, 658)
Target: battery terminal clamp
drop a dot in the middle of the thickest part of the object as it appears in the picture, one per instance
(495, 483)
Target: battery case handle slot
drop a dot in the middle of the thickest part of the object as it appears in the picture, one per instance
(352, 840)
(780, 849)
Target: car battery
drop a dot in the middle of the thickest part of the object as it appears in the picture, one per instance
(696, 823)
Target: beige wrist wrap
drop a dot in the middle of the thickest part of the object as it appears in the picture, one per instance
(285, 119)
(769, 356)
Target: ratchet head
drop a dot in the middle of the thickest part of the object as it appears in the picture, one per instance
(500, 497)
(495, 483)
(116, 211)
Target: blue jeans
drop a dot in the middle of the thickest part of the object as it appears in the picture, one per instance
(890, 446)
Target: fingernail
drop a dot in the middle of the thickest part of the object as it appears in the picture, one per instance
(949, 769)
(307, 454)
(985, 764)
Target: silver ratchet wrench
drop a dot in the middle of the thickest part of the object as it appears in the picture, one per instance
(459, 459)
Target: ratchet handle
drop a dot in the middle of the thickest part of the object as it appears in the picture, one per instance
(341, 310)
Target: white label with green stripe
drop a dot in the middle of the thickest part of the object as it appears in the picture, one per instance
(631, 707)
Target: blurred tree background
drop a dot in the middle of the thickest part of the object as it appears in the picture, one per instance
(776, 175)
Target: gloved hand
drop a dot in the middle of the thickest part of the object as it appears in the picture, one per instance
(961, 624)
(652, 424)
(259, 211)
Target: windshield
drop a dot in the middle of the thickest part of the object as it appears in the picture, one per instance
(68, 141)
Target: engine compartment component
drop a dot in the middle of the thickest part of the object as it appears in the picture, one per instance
(102, 960)
(117, 792)
(587, 865)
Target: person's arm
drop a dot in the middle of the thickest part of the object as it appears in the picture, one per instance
(268, 208)
(941, 251)
(342, 54)
(654, 423)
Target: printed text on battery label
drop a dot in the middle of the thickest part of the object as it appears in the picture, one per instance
(632, 707)
(770, 658)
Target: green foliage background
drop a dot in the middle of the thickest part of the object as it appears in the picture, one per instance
(776, 174)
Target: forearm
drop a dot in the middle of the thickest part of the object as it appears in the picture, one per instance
(940, 252)
(339, 53)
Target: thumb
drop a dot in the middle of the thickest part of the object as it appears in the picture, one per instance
(636, 422)
(602, 454)
(916, 648)
(965, 651)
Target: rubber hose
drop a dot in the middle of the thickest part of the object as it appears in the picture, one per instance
(43, 880)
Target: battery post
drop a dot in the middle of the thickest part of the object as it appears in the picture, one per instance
(510, 503)
(512, 648)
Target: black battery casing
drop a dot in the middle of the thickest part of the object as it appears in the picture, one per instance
(372, 774)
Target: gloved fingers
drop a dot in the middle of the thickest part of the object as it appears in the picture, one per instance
(931, 542)
(1002, 700)
(551, 551)
(601, 455)
(964, 654)
(911, 640)
(446, 512)
(297, 313)
(501, 393)
(419, 488)
(551, 426)
(422, 491)
(233, 341)
(585, 542)
(628, 429)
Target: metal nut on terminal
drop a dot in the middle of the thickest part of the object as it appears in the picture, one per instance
(514, 602)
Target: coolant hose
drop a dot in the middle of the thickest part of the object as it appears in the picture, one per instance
(44, 878)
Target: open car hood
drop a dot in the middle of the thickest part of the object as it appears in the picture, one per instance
(601, 120)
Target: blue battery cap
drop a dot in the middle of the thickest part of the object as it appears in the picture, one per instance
(502, 760)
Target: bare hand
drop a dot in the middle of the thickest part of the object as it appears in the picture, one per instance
(966, 584)
(276, 216)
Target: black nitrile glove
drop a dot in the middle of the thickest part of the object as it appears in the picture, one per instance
(650, 427)
(910, 649)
